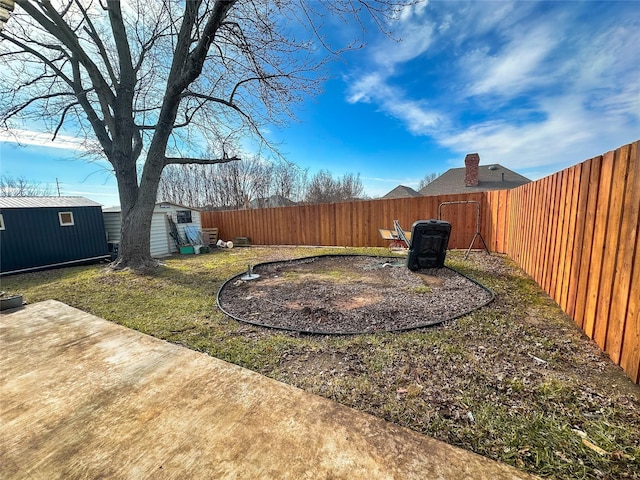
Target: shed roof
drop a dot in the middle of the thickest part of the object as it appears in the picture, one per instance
(46, 202)
(118, 209)
(489, 178)
(402, 191)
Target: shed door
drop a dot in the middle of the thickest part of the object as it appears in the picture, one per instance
(159, 236)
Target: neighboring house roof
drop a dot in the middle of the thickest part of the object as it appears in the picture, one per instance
(402, 192)
(46, 202)
(489, 178)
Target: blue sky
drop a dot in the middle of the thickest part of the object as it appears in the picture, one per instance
(534, 86)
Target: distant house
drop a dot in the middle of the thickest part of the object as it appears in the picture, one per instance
(474, 177)
(43, 232)
(402, 191)
(161, 242)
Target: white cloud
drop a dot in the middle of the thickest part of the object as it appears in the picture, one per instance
(416, 115)
(567, 135)
(366, 87)
(414, 39)
(412, 10)
(527, 84)
(29, 137)
(418, 118)
(518, 67)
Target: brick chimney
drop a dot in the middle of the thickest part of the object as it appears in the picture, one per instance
(471, 162)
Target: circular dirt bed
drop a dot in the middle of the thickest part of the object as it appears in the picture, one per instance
(346, 294)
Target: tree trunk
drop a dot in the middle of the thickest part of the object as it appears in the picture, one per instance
(135, 242)
(137, 203)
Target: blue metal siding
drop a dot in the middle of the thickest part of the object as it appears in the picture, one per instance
(33, 237)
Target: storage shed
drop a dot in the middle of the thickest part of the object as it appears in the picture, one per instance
(41, 232)
(161, 242)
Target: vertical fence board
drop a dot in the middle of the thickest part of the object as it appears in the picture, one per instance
(556, 222)
(627, 249)
(270, 227)
(565, 208)
(546, 196)
(487, 224)
(534, 232)
(485, 220)
(587, 249)
(462, 238)
(356, 221)
(493, 220)
(529, 242)
(523, 212)
(469, 223)
(502, 215)
(561, 178)
(546, 258)
(544, 202)
(507, 209)
(611, 246)
(599, 241)
(539, 228)
(630, 357)
(512, 244)
(522, 219)
(580, 215)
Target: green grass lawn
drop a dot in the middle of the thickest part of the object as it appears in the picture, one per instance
(515, 381)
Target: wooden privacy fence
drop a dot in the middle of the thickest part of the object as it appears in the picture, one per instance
(575, 232)
(349, 224)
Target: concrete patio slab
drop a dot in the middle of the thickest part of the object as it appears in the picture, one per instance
(82, 397)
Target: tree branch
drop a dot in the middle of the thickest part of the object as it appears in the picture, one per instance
(93, 33)
(262, 78)
(127, 75)
(98, 125)
(56, 26)
(18, 108)
(40, 56)
(62, 117)
(209, 98)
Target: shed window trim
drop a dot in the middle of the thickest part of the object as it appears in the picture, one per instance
(1, 222)
(183, 216)
(66, 219)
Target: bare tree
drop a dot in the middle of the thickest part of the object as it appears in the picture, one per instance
(250, 182)
(351, 187)
(21, 187)
(148, 84)
(324, 188)
(289, 181)
(426, 180)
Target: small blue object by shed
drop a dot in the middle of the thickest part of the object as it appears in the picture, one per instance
(43, 232)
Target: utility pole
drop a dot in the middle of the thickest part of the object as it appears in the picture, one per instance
(58, 186)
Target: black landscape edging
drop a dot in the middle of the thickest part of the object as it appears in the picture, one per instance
(313, 332)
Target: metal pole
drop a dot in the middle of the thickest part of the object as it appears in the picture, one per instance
(477, 234)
